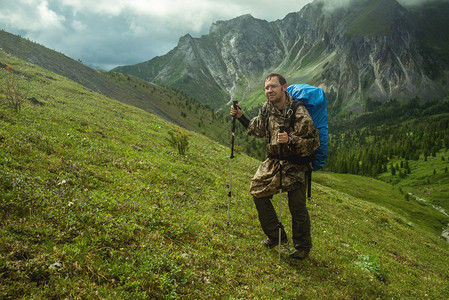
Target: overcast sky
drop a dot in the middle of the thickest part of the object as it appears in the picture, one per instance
(108, 33)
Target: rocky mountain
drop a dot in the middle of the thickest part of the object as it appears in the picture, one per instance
(372, 49)
(124, 88)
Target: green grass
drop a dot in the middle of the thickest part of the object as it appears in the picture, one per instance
(388, 196)
(373, 19)
(86, 215)
(427, 180)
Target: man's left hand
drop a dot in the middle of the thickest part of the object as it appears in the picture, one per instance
(283, 138)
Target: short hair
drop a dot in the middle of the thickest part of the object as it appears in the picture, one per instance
(281, 78)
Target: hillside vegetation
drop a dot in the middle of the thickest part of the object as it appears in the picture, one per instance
(95, 204)
(407, 149)
(172, 105)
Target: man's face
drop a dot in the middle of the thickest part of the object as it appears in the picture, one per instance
(274, 91)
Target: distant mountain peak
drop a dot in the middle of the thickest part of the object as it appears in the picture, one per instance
(186, 39)
(366, 50)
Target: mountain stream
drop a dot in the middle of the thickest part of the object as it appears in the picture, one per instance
(445, 233)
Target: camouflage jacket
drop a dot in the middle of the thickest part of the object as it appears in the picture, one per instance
(305, 140)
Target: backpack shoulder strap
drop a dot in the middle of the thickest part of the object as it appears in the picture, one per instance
(296, 103)
(294, 107)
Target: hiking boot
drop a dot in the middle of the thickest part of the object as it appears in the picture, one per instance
(300, 254)
(270, 243)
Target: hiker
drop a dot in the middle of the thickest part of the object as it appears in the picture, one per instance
(300, 139)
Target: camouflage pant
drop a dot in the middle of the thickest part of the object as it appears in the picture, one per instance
(300, 218)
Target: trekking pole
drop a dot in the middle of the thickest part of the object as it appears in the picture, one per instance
(281, 130)
(232, 156)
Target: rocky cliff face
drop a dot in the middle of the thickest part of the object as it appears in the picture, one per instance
(373, 49)
(380, 58)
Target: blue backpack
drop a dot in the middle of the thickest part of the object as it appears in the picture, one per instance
(315, 102)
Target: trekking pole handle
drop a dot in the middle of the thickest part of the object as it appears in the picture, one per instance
(281, 128)
(234, 105)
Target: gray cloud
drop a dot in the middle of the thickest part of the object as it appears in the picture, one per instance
(409, 3)
(330, 5)
(108, 33)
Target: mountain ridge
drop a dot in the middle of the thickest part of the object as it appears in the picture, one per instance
(370, 51)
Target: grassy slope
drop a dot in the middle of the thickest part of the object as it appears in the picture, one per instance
(392, 198)
(166, 103)
(173, 106)
(423, 182)
(124, 223)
